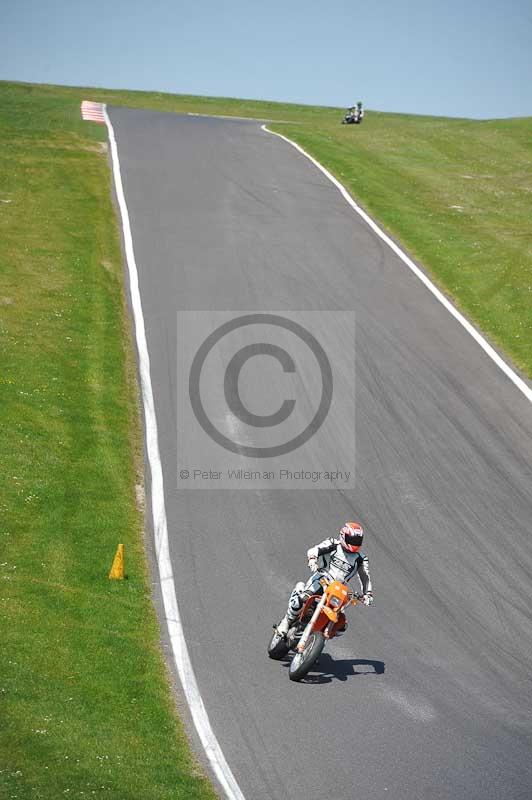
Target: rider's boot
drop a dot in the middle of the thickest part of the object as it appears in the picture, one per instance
(295, 604)
(286, 623)
(284, 626)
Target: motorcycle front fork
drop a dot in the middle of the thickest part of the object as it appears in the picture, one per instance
(328, 629)
(308, 629)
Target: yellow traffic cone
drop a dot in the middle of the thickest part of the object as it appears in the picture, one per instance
(117, 570)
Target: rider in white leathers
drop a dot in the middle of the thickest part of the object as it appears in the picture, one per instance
(340, 559)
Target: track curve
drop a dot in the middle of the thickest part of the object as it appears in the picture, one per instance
(428, 695)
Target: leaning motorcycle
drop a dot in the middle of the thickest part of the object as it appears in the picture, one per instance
(321, 618)
(352, 117)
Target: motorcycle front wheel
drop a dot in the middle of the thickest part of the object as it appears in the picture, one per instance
(278, 647)
(302, 662)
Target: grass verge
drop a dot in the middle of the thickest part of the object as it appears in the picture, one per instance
(85, 703)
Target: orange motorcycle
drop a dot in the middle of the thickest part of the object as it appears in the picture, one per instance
(321, 618)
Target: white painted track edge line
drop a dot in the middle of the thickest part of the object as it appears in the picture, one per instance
(160, 528)
(488, 349)
(231, 116)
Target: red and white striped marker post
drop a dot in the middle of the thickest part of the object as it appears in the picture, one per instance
(92, 111)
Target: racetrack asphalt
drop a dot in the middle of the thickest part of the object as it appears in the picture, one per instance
(428, 694)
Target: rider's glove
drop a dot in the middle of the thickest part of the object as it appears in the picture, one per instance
(367, 599)
(313, 564)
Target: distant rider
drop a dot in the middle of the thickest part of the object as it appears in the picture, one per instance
(340, 558)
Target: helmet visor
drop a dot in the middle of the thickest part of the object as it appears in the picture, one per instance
(353, 542)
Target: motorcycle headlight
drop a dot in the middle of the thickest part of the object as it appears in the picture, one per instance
(334, 602)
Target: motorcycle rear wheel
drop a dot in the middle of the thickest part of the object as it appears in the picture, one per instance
(302, 662)
(278, 647)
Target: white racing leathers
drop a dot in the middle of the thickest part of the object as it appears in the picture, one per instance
(338, 564)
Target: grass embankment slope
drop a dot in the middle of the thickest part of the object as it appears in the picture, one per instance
(84, 701)
(458, 195)
(85, 704)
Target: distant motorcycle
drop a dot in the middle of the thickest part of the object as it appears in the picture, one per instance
(321, 618)
(353, 116)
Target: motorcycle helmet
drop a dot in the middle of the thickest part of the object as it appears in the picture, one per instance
(351, 537)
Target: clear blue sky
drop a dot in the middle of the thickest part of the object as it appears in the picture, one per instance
(452, 57)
